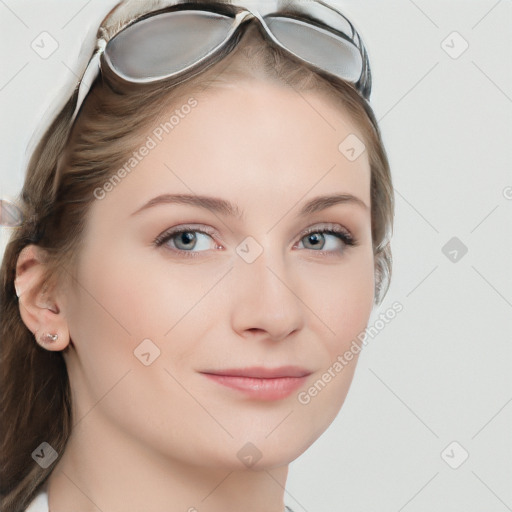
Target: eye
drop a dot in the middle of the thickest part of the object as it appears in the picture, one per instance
(187, 239)
(331, 238)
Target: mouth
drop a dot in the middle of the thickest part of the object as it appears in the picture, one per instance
(259, 382)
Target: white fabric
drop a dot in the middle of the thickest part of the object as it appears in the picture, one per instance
(39, 503)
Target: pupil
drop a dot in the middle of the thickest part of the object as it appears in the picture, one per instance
(314, 239)
(187, 237)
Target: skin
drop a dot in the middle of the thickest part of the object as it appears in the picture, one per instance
(163, 436)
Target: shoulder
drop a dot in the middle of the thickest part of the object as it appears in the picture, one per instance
(39, 503)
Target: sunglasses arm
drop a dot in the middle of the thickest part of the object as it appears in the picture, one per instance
(90, 74)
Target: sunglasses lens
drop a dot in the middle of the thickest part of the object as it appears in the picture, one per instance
(318, 46)
(165, 44)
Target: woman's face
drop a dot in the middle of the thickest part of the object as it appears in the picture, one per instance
(239, 289)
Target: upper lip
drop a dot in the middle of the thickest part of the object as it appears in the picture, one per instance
(260, 372)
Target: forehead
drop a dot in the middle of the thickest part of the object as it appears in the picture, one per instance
(266, 128)
(252, 142)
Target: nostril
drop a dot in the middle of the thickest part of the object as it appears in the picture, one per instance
(255, 329)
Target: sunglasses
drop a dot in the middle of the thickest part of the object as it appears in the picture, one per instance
(181, 40)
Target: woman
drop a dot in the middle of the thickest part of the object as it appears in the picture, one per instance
(206, 231)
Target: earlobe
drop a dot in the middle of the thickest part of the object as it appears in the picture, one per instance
(39, 308)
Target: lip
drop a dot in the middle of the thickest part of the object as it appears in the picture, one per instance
(261, 372)
(259, 382)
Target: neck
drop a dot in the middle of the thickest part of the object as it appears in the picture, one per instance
(104, 469)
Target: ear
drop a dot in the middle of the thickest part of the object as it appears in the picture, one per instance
(39, 303)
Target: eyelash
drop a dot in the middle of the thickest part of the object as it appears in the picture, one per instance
(340, 233)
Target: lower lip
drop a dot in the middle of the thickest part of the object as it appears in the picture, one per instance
(262, 389)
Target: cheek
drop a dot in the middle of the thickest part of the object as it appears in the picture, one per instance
(121, 301)
(341, 297)
(129, 297)
(345, 307)
(110, 314)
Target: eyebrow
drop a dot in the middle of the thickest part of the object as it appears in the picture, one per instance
(229, 209)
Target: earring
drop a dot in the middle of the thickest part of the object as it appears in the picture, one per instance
(46, 338)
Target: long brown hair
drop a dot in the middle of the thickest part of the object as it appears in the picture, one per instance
(67, 165)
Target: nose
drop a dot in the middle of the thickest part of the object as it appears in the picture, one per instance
(264, 298)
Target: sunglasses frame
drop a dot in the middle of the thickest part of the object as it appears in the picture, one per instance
(101, 61)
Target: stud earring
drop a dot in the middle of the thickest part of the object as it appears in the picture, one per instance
(47, 338)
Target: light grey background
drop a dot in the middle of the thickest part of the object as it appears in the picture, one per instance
(440, 371)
